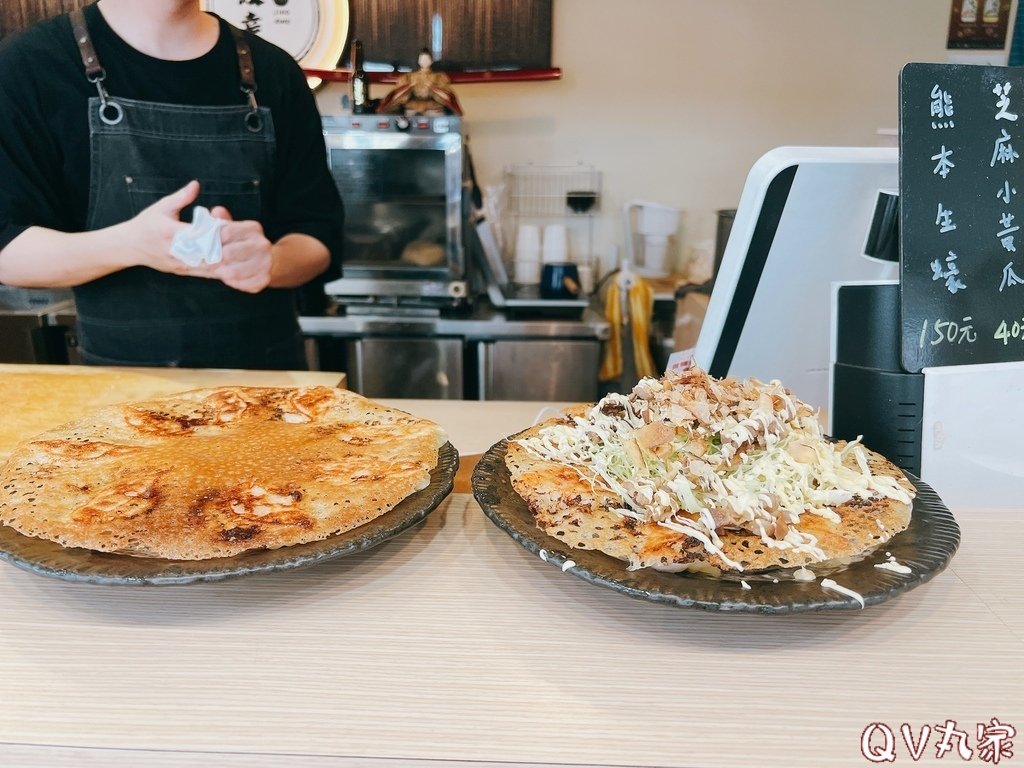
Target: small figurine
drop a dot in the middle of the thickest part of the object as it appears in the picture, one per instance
(422, 92)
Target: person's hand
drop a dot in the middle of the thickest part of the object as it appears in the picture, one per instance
(149, 234)
(246, 256)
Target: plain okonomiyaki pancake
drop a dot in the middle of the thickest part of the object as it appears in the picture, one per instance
(695, 473)
(216, 472)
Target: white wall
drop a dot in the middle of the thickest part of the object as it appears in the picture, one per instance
(674, 100)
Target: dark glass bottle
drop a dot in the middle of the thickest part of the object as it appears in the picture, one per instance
(359, 83)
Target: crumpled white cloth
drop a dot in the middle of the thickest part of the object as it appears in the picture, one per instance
(201, 241)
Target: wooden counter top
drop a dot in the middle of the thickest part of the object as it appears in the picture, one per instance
(34, 398)
(451, 646)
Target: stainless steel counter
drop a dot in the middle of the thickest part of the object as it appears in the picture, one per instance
(30, 331)
(484, 355)
(483, 323)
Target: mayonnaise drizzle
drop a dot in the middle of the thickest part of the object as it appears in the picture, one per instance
(892, 565)
(830, 584)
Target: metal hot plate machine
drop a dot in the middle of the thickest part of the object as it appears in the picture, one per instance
(401, 179)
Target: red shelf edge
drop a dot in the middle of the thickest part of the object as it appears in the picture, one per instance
(518, 75)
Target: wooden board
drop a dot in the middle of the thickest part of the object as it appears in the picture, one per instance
(34, 398)
(16, 15)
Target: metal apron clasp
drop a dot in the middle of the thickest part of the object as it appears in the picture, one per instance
(111, 112)
(253, 120)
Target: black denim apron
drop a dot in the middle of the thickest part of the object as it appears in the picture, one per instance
(142, 151)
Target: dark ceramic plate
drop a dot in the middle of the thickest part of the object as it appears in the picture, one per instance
(925, 547)
(73, 564)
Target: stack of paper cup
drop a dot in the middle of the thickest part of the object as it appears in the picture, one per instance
(586, 272)
(556, 244)
(527, 261)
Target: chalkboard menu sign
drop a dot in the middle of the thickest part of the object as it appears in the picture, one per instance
(961, 214)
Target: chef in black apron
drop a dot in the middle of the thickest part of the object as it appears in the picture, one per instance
(143, 157)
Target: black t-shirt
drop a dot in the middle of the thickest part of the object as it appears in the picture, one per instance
(44, 128)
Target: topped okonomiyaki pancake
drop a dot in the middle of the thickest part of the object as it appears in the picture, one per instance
(695, 473)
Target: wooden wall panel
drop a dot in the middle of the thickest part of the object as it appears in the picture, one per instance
(475, 34)
(18, 14)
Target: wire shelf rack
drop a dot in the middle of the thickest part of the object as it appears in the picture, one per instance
(553, 190)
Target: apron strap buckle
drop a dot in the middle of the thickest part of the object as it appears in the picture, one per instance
(247, 74)
(111, 112)
(253, 119)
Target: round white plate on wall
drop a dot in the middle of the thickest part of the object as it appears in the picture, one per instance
(312, 31)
